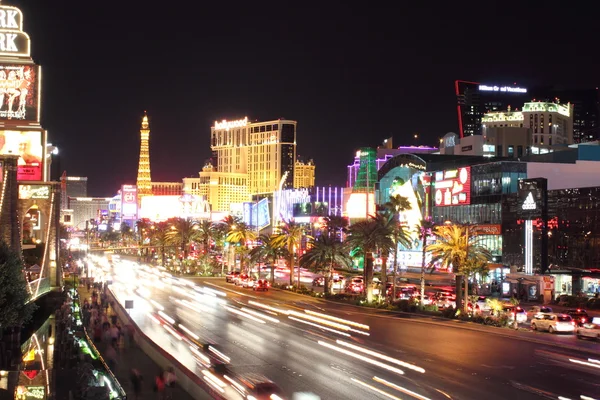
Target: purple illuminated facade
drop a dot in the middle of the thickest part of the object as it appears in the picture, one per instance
(383, 155)
(333, 196)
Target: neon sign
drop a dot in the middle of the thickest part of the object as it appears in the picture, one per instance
(503, 89)
(453, 187)
(13, 41)
(529, 203)
(224, 124)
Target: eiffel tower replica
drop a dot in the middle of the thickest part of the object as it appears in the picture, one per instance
(144, 181)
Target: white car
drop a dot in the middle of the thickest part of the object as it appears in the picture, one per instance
(518, 311)
(589, 330)
(552, 322)
(534, 310)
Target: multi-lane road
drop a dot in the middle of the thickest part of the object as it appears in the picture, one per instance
(344, 352)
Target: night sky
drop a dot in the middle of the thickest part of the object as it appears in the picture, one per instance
(350, 75)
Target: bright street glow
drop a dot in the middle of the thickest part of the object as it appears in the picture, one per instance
(219, 354)
(383, 357)
(238, 312)
(319, 326)
(192, 334)
(361, 357)
(343, 321)
(165, 316)
(373, 388)
(400, 388)
(257, 314)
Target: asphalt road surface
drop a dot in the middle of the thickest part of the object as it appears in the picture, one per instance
(399, 358)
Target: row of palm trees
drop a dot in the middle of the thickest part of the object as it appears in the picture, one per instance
(381, 234)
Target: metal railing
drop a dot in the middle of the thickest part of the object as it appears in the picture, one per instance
(38, 288)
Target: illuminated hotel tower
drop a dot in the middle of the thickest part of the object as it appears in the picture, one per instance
(263, 151)
(144, 182)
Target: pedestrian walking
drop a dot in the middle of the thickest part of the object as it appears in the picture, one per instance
(159, 385)
(170, 381)
(136, 382)
(111, 357)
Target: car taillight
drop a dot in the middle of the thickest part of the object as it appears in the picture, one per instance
(573, 323)
(582, 320)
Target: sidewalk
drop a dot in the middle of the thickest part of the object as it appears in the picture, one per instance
(130, 356)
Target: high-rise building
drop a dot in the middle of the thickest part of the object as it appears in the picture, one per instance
(304, 176)
(72, 186)
(265, 151)
(475, 99)
(167, 188)
(586, 109)
(220, 189)
(144, 180)
(549, 125)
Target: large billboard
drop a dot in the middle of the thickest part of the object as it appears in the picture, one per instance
(28, 192)
(129, 202)
(19, 92)
(28, 145)
(453, 187)
(533, 200)
(162, 208)
(257, 214)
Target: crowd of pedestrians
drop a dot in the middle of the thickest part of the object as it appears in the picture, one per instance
(113, 340)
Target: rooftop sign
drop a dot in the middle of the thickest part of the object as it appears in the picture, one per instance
(502, 89)
(224, 124)
(13, 41)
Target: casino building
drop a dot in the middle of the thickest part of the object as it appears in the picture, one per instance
(29, 209)
(483, 192)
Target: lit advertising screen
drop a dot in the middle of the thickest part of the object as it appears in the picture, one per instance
(257, 214)
(162, 208)
(36, 192)
(532, 195)
(453, 187)
(129, 201)
(19, 92)
(28, 145)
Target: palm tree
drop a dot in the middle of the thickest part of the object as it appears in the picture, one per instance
(126, 233)
(399, 235)
(205, 233)
(397, 205)
(289, 238)
(241, 234)
(183, 232)
(457, 246)
(425, 229)
(219, 238)
(265, 250)
(324, 254)
(227, 225)
(337, 226)
(143, 226)
(368, 236)
(159, 237)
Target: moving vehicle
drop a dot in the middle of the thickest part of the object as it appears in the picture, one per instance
(534, 310)
(239, 279)
(517, 311)
(579, 316)
(259, 387)
(230, 277)
(553, 322)
(261, 284)
(444, 300)
(248, 281)
(589, 330)
(356, 285)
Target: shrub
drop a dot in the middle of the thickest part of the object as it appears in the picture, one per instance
(478, 319)
(449, 312)
(406, 306)
(430, 307)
